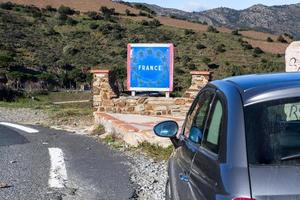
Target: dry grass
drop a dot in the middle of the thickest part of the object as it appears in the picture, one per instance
(258, 35)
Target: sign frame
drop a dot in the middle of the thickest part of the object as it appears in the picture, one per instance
(171, 65)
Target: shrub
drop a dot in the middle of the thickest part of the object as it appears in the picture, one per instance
(93, 26)
(7, 5)
(220, 48)
(246, 45)
(235, 32)
(270, 39)
(145, 8)
(66, 10)
(200, 46)
(188, 32)
(258, 50)
(94, 15)
(154, 23)
(281, 39)
(107, 11)
(62, 18)
(289, 35)
(206, 60)
(50, 9)
(72, 22)
(128, 13)
(143, 14)
(145, 22)
(212, 29)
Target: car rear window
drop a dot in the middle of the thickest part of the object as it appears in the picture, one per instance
(273, 132)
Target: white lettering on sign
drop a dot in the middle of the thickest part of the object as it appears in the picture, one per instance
(292, 112)
(149, 67)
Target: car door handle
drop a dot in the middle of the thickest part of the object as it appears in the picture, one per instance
(183, 177)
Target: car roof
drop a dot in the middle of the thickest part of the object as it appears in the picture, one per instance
(260, 87)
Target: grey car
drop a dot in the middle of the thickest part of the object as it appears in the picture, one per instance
(240, 141)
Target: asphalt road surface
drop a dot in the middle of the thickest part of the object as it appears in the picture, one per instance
(40, 163)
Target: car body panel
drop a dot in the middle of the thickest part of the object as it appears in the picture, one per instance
(227, 175)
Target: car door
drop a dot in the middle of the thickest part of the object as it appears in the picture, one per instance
(181, 160)
(205, 177)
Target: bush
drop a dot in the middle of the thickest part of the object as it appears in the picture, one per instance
(62, 18)
(235, 32)
(66, 10)
(206, 60)
(221, 48)
(50, 9)
(200, 46)
(128, 13)
(289, 35)
(93, 26)
(258, 50)
(270, 39)
(212, 29)
(94, 15)
(107, 12)
(154, 23)
(7, 5)
(145, 8)
(246, 45)
(281, 39)
(145, 22)
(143, 14)
(188, 32)
(70, 21)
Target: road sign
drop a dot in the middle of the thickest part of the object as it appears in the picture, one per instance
(150, 67)
(292, 57)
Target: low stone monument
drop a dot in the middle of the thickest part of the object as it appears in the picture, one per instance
(292, 57)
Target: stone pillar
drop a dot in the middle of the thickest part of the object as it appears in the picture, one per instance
(102, 90)
(199, 80)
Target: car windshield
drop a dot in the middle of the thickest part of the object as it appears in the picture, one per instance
(273, 132)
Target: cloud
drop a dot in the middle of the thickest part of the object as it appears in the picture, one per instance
(193, 5)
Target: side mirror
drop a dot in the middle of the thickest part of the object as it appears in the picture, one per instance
(196, 135)
(166, 129)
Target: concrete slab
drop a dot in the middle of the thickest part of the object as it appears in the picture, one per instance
(134, 128)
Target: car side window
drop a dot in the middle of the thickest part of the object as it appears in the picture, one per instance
(195, 122)
(213, 130)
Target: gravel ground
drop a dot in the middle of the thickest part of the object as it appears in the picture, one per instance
(148, 176)
(23, 115)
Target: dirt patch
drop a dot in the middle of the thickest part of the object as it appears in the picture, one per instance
(87, 5)
(270, 47)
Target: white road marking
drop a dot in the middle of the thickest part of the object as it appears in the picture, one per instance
(20, 127)
(58, 173)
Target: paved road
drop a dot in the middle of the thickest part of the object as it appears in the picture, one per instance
(51, 164)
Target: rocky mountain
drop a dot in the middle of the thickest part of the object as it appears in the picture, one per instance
(273, 19)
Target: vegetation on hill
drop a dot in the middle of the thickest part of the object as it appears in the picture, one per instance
(55, 48)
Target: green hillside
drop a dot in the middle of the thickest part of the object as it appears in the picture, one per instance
(52, 48)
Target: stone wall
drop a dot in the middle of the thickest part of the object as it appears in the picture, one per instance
(106, 98)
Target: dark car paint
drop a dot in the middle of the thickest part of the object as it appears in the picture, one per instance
(228, 175)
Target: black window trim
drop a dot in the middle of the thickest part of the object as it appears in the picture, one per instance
(221, 155)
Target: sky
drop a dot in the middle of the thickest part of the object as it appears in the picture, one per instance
(199, 5)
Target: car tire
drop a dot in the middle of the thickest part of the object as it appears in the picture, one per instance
(168, 191)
